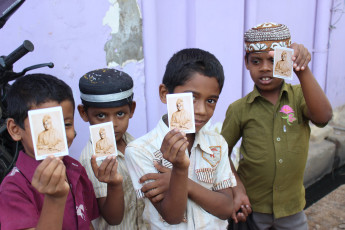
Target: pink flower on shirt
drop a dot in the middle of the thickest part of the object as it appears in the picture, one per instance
(290, 116)
(286, 109)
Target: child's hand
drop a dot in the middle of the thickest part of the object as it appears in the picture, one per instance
(173, 148)
(301, 57)
(241, 207)
(155, 190)
(50, 178)
(107, 171)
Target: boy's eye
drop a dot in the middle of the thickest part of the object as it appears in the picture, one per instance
(101, 116)
(68, 124)
(211, 101)
(255, 61)
(120, 114)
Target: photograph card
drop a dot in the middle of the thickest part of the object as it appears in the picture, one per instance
(181, 112)
(48, 132)
(283, 64)
(103, 140)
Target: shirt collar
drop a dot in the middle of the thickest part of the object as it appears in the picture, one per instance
(27, 165)
(255, 93)
(162, 128)
(201, 141)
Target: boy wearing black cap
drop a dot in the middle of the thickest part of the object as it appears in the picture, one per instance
(107, 95)
(273, 122)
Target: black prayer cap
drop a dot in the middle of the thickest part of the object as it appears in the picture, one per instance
(104, 88)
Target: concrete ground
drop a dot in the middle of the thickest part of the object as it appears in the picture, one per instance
(329, 212)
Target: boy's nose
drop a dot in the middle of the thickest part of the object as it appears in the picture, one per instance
(199, 108)
(267, 66)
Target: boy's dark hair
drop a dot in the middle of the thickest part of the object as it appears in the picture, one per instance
(186, 62)
(33, 90)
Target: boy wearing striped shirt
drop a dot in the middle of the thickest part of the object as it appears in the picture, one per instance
(107, 95)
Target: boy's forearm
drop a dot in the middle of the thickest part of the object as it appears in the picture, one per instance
(239, 186)
(112, 206)
(320, 109)
(174, 204)
(218, 203)
(52, 212)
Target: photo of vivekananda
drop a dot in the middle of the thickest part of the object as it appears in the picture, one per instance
(48, 132)
(181, 112)
(104, 144)
(283, 64)
(103, 140)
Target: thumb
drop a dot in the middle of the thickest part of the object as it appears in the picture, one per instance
(94, 165)
(234, 217)
(271, 53)
(160, 167)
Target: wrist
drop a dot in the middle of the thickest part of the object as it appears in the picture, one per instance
(114, 187)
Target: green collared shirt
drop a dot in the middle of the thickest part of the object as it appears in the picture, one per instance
(275, 142)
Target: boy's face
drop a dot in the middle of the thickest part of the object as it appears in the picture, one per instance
(205, 96)
(68, 114)
(118, 115)
(260, 66)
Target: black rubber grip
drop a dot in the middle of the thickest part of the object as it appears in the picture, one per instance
(26, 47)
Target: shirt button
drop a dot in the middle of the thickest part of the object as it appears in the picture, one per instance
(280, 161)
(278, 138)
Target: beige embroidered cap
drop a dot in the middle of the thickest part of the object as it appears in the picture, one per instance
(266, 36)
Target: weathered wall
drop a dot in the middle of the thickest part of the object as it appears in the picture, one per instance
(79, 36)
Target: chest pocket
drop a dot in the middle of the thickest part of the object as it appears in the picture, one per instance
(207, 165)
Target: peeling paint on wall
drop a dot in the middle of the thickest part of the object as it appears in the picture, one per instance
(126, 43)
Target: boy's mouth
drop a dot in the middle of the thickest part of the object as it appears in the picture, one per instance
(265, 80)
(199, 122)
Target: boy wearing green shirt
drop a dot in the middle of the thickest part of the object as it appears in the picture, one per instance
(273, 122)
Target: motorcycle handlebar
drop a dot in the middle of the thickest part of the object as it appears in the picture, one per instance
(18, 53)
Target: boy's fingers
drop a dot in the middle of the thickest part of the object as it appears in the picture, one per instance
(157, 198)
(170, 139)
(271, 53)
(147, 187)
(171, 155)
(241, 217)
(55, 178)
(49, 170)
(41, 167)
(306, 61)
(149, 176)
(114, 167)
(233, 216)
(94, 165)
(152, 192)
(109, 164)
(160, 167)
(244, 210)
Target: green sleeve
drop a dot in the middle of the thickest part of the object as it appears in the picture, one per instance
(231, 130)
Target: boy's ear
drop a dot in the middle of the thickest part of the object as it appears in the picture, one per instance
(83, 113)
(163, 91)
(132, 108)
(246, 60)
(14, 130)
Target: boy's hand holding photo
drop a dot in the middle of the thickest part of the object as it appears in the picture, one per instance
(50, 178)
(174, 149)
(301, 57)
(107, 173)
